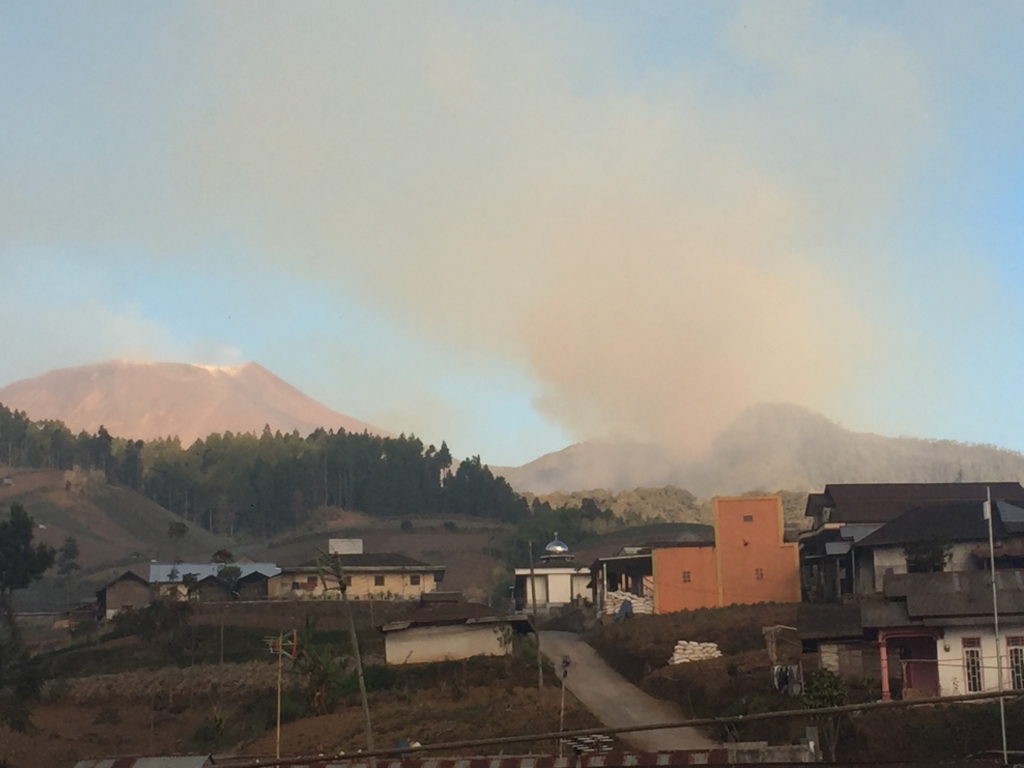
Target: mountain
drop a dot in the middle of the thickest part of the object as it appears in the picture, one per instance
(152, 400)
(767, 447)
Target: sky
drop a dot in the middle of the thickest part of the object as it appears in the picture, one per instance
(514, 226)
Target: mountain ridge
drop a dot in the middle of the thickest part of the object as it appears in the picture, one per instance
(769, 447)
(151, 400)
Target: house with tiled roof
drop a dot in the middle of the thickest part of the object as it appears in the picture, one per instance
(366, 576)
(450, 629)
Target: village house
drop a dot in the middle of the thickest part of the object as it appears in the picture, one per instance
(862, 531)
(930, 634)
(129, 591)
(558, 581)
(171, 581)
(383, 576)
(448, 629)
(747, 561)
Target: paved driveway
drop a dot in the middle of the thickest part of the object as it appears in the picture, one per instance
(615, 701)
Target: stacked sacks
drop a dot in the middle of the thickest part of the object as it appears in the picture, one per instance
(689, 650)
(613, 602)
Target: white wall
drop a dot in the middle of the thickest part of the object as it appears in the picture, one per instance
(419, 645)
(560, 588)
(541, 584)
(952, 674)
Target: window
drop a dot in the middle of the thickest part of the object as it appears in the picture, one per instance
(415, 579)
(378, 581)
(311, 581)
(972, 664)
(759, 574)
(748, 518)
(686, 577)
(295, 585)
(1016, 645)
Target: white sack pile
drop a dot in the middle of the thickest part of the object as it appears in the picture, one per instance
(690, 650)
(614, 600)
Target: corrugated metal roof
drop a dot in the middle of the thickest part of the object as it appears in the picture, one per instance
(166, 573)
(184, 761)
(837, 547)
(734, 753)
(964, 593)
(954, 521)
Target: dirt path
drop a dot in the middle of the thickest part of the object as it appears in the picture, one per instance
(615, 701)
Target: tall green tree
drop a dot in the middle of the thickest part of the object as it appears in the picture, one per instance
(21, 563)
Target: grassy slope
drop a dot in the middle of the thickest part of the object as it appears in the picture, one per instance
(111, 524)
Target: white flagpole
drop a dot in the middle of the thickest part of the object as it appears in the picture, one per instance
(995, 621)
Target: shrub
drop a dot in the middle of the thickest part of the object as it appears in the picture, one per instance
(378, 677)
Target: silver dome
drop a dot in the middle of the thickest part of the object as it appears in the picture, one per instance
(557, 547)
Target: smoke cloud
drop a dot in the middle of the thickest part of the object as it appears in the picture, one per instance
(660, 246)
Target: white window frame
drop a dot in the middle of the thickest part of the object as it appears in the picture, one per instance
(974, 666)
(1015, 657)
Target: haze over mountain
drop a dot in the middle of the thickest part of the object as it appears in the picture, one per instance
(152, 400)
(771, 447)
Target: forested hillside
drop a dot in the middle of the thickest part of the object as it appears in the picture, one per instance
(259, 485)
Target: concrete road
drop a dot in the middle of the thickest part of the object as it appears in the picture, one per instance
(615, 701)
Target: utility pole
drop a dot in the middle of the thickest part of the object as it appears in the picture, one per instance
(338, 571)
(536, 626)
(566, 664)
(995, 621)
(280, 663)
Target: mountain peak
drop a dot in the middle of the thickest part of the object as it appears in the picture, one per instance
(148, 400)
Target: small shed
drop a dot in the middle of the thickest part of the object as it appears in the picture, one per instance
(446, 631)
(128, 591)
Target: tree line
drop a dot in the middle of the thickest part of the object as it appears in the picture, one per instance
(242, 483)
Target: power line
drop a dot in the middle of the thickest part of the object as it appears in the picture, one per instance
(698, 722)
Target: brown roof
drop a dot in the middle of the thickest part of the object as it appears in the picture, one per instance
(375, 561)
(960, 594)
(882, 502)
(436, 614)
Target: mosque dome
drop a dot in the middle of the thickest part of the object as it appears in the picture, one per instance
(557, 547)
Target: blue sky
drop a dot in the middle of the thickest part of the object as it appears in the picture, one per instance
(517, 226)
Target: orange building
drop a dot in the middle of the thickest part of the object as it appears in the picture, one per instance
(685, 577)
(755, 563)
(748, 562)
